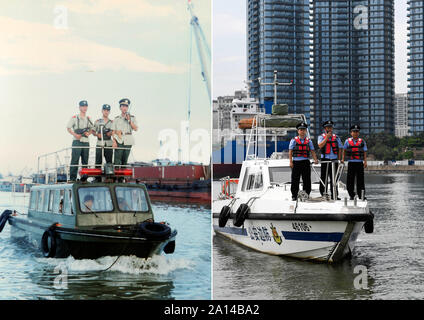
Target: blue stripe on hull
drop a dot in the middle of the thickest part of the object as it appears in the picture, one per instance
(313, 236)
(237, 231)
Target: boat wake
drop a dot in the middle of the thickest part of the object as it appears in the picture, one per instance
(125, 264)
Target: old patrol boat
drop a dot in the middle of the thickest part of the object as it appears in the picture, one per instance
(99, 215)
(261, 214)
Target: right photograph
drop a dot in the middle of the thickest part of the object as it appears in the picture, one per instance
(318, 149)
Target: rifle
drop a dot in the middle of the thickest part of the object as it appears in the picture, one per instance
(105, 131)
(82, 131)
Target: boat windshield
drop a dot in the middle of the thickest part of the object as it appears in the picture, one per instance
(131, 199)
(282, 175)
(95, 199)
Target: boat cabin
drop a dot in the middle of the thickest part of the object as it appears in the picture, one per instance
(259, 175)
(90, 204)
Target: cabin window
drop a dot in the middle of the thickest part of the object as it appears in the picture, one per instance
(33, 200)
(280, 175)
(40, 204)
(56, 200)
(67, 202)
(51, 199)
(131, 199)
(95, 199)
(253, 181)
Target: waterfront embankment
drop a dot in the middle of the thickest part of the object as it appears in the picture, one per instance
(394, 169)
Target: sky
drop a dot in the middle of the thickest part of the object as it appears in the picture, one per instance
(54, 54)
(229, 42)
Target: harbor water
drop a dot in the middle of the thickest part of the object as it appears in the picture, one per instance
(387, 264)
(186, 274)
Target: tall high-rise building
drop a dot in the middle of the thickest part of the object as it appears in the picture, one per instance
(279, 38)
(353, 65)
(416, 66)
(401, 115)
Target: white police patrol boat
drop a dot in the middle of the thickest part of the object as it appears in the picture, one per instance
(262, 215)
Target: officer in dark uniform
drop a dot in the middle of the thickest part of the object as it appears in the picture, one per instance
(80, 127)
(355, 152)
(123, 127)
(331, 149)
(300, 148)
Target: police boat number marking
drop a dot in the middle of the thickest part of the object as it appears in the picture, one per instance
(301, 226)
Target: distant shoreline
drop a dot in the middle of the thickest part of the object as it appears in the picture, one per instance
(395, 169)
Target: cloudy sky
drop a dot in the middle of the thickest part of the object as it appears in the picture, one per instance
(229, 41)
(55, 53)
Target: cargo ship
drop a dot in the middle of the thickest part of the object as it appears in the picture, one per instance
(166, 180)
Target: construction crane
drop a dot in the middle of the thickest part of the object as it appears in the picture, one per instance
(203, 49)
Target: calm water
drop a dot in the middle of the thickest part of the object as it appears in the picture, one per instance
(392, 256)
(186, 274)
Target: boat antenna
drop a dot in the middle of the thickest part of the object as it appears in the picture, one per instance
(275, 84)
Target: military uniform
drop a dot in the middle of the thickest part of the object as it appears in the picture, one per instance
(77, 124)
(355, 151)
(330, 152)
(106, 141)
(124, 141)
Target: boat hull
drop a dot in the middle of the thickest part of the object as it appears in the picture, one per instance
(89, 244)
(313, 239)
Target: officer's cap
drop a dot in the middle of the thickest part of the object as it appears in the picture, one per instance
(124, 101)
(106, 107)
(355, 127)
(83, 103)
(301, 125)
(328, 123)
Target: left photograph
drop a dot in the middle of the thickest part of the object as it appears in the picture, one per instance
(105, 179)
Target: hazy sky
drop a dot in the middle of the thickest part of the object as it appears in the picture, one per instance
(229, 41)
(55, 53)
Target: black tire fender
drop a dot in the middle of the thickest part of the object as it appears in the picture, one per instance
(241, 215)
(49, 247)
(224, 215)
(369, 224)
(154, 230)
(3, 218)
(170, 247)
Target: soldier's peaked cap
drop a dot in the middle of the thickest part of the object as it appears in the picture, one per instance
(124, 101)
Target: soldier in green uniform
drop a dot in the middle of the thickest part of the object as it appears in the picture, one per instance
(103, 132)
(123, 126)
(80, 127)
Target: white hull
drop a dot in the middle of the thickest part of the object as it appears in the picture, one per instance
(327, 241)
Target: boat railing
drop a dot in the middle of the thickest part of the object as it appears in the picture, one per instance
(257, 146)
(336, 176)
(54, 167)
(227, 188)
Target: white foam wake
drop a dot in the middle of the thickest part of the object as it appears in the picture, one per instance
(125, 264)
